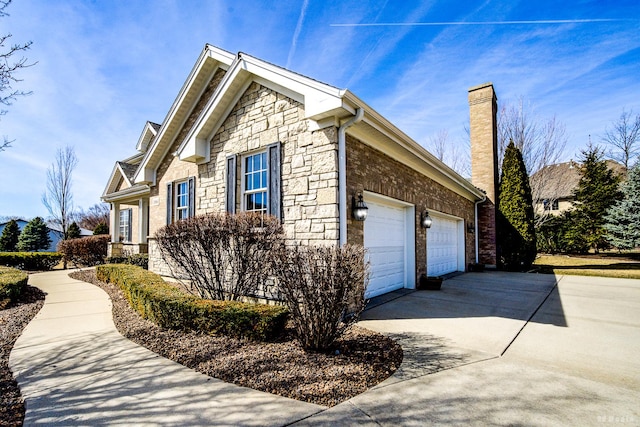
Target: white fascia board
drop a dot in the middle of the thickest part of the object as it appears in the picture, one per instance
(222, 59)
(196, 146)
(111, 179)
(127, 193)
(145, 137)
(318, 98)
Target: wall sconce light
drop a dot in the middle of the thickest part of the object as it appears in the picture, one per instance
(471, 228)
(360, 208)
(426, 220)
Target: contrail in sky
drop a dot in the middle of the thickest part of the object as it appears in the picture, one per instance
(296, 34)
(435, 24)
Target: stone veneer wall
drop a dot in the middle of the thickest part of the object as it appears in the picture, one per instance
(309, 167)
(371, 170)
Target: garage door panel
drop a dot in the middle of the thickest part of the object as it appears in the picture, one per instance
(385, 240)
(442, 246)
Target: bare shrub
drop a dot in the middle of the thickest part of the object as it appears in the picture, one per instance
(323, 287)
(225, 256)
(85, 251)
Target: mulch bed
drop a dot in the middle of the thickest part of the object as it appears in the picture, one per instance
(13, 320)
(360, 360)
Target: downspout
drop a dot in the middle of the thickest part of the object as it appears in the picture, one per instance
(342, 173)
(484, 199)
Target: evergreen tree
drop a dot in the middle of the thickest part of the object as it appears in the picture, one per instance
(597, 191)
(9, 238)
(73, 232)
(101, 228)
(34, 236)
(622, 221)
(516, 232)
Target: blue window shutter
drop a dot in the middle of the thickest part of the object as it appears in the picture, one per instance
(231, 184)
(275, 179)
(192, 197)
(169, 203)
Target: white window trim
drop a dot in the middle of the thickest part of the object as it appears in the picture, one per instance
(244, 192)
(126, 236)
(176, 198)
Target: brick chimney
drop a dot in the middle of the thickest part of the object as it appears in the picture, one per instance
(483, 109)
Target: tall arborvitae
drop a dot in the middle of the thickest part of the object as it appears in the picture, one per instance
(597, 191)
(516, 232)
(622, 221)
(9, 238)
(34, 236)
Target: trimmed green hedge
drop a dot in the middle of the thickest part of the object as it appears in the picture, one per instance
(33, 261)
(12, 284)
(172, 308)
(141, 260)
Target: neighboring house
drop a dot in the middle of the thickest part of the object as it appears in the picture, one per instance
(55, 233)
(556, 183)
(247, 135)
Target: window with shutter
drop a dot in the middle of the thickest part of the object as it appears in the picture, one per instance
(180, 200)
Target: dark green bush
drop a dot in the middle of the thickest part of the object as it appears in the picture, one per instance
(141, 260)
(12, 284)
(172, 308)
(33, 261)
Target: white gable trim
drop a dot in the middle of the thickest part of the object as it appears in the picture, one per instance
(147, 135)
(210, 60)
(320, 101)
(116, 174)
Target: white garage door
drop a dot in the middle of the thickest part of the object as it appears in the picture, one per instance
(443, 246)
(385, 240)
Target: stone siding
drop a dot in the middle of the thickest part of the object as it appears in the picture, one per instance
(309, 163)
(308, 166)
(371, 170)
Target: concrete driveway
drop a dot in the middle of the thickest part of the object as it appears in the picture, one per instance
(507, 349)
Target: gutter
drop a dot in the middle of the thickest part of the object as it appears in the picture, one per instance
(342, 173)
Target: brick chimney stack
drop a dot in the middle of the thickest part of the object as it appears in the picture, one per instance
(483, 126)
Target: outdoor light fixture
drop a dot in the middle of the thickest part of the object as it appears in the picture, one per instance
(360, 208)
(470, 228)
(426, 220)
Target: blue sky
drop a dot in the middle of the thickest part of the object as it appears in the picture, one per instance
(105, 67)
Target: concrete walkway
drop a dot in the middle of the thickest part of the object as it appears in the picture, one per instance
(489, 349)
(74, 368)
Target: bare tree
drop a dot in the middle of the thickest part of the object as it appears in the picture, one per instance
(541, 142)
(623, 138)
(9, 66)
(58, 197)
(454, 155)
(96, 214)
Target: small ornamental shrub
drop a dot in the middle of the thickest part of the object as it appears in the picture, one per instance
(169, 307)
(225, 256)
(323, 287)
(31, 261)
(86, 251)
(12, 284)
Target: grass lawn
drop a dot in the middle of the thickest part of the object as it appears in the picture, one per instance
(624, 266)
